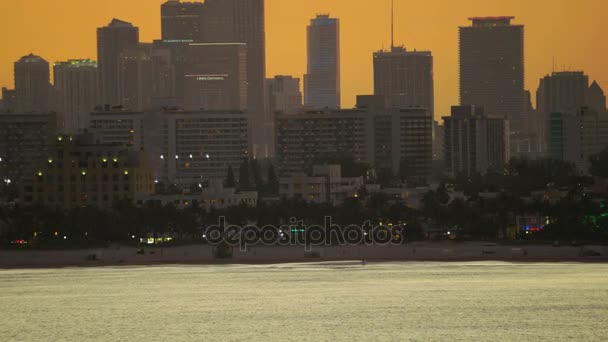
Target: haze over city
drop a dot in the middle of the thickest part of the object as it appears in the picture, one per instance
(569, 33)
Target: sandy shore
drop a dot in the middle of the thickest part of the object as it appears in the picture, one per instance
(204, 254)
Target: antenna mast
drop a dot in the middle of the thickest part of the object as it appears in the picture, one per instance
(392, 25)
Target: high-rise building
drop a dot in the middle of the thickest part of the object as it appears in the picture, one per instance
(216, 77)
(283, 94)
(475, 143)
(200, 146)
(136, 77)
(405, 78)
(438, 141)
(576, 136)
(395, 140)
(32, 87)
(562, 92)
(112, 40)
(322, 80)
(118, 127)
(242, 21)
(182, 21)
(596, 100)
(76, 89)
(24, 140)
(492, 67)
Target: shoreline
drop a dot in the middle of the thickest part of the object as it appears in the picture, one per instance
(203, 255)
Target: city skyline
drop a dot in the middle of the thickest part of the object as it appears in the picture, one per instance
(563, 47)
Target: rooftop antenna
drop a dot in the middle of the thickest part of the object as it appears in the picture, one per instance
(392, 24)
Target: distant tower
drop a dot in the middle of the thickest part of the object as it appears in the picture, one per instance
(475, 142)
(77, 93)
(216, 77)
(404, 78)
(112, 40)
(182, 22)
(562, 92)
(243, 21)
(596, 99)
(284, 94)
(322, 81)
(32, 86)
(492, 67)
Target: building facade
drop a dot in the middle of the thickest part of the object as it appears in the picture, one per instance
(492, 67)
(322, 80)
(475, 143)
(76, 88)
(118, 127)
(112, 40)
(564, 91)
(325, 185)
(575, 137)
(78, 173)
(283, 95)
(199, 146)
(32, 85)
(24, 140)
(182, 21)
(216, 77)
(405, 78)
(396, 140)
(243, 21)
(596, 99)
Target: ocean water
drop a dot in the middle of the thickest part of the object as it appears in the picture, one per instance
(478, 301)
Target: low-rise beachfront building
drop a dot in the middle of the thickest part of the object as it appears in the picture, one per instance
(325, 185)
(215, 196)
(79, 173)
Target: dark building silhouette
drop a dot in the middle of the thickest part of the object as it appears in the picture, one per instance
(76, 91)
(322, 80)
(32, 87)
(216, 77)
(405, 78)
(564, 91)
(242, 21)
(283, 94)
(182, 21)
(9, 100)
(25, 139)
(398, 141)
(492, 67)
(475, 142)
(596, 99)
(112, 40)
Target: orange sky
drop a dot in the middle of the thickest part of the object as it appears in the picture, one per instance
(575, 32)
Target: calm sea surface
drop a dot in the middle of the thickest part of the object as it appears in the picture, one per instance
(487, 301)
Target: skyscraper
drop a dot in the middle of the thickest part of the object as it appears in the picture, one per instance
(596, 99)
(77, 93)
(216, 77)
(182, 21)
(135, 78)
(492, 67)
(284, 94)
(242, 21)
(564, 91)
(405, 78)
(475, 142)
(112, 40)
(322, 80)
(32, 85)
